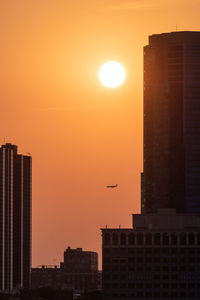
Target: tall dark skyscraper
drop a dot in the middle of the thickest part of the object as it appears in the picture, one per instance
(159, 257)
(15, 218)
(172, 123)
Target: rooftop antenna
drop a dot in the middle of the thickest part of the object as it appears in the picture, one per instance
(176, 27)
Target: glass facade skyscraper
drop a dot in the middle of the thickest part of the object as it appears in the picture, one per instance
(172, 123)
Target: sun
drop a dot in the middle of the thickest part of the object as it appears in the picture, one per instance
(112, 74)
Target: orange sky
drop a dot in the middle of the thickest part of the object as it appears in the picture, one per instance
(81, 135)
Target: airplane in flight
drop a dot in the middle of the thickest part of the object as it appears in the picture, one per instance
(112, 186)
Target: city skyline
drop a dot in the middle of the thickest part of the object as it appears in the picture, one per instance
(81, 135)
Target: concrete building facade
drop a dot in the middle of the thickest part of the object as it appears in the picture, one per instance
(158, 259)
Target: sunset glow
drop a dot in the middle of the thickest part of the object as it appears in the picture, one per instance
(82, 136)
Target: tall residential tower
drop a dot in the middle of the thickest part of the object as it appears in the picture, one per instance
(15, 218)
(172, 123)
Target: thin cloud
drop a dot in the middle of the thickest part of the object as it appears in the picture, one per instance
(68, 108)
(133, 5)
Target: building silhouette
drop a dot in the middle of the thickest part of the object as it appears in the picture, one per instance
(15, 218)
(78, 272)
(172, 123)
(159, 257)
(80, 269)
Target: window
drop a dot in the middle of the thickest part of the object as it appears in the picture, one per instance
(148, 286)
(183, 238)
(140, 239)
(183, 251)
(122, 276)
(107, 276)
(174, 251)
(148, 251)
(115, 239)
(157, 239)
(107, 239)
(174, 259)
(149, 239)
(107, 260)
(174, 239)
(107, 286)
(157, 259)
(140, 259)
(123, 239)
(165, 250)
(157, 251)
(115, 295)
(148, 259)
(198, 238)
(191, 238)
(106, 251)
(131, 239)
(165, 238)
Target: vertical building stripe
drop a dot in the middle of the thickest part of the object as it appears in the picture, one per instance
(3, 219)
(11, 220)
(22, 219)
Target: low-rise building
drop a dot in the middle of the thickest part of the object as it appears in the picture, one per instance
(78, 271)
(46, 276)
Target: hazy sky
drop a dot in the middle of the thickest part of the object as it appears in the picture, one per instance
(81, 135)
